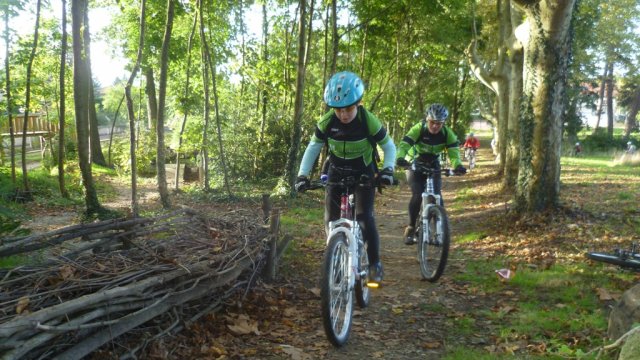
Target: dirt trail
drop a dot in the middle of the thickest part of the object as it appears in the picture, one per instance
(407, 318)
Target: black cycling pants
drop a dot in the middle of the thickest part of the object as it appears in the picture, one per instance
(365, 196)
(418, 182)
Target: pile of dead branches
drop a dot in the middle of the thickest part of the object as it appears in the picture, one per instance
(146, 277)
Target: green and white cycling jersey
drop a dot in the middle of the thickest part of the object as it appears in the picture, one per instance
(428, 146)
(349, 144)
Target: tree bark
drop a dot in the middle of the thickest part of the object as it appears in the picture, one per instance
(603, 83)
(164, 64)
(97, 157)
(62, 106)
(610, 102)
(113, 125)
(546, 53)
(296, 129)
(630, 123)
(81, 88)
(205, 81)
(152, 101)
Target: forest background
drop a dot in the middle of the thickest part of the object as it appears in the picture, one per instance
(240, 105)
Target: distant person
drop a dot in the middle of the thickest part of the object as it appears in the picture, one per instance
(470, 145)
(430, 138)
(631, 149)
(577, 149)
(494, 146)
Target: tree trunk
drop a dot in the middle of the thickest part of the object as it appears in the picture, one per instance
(152, 101)
(132, 116)
(25, 181)
(81, 88)
(264, 92)
(97, 157)
(212, 67)
(547, 46)
(512, 139)
(12, 130)
(164, 64)
(62, 106)
(603, 83)
(113, 125)
(205, 81)
(185, 105)
(610, 102)
(630, 123)
(296, 129)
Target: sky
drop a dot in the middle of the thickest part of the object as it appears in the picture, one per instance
(105, 67)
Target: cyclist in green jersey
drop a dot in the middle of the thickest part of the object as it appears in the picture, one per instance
(429, 138)
(351, 134)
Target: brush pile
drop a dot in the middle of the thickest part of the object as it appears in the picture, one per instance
(143, 277)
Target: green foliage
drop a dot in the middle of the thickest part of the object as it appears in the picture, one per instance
(145, 155)
(600, 141)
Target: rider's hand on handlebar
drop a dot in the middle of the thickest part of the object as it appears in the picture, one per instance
(402, 162)
(302, 183)
(460, 170)
(386, 176)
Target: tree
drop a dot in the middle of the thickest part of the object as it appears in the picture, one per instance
(25, 180)
(546, 54)
(81, 88)
(62, 106)
(164, 64)
(296, 131)
(131, 112)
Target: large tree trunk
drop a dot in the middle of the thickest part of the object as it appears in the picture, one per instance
(81, 88)
(164, 64)
(204, 153)
(12, 130)
(512, 151)
(62, 106)
(152, 101)
(296, 129)
(546, 54)
(132, 116)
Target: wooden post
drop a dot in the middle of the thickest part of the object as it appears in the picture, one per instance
(266, 207)
(272, 256)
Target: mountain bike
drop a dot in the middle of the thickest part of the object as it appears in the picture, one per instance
(345, 264)
(432, 233)
(624, 258)
(470, 155)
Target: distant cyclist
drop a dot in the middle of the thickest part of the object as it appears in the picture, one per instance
(430, 138)
(471, 144)
(577, 149)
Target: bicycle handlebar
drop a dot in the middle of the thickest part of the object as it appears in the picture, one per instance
(428, 171)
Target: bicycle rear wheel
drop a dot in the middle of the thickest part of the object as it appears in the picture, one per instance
(336, 299)
(630, 263)
(363, 294)
(433, 243)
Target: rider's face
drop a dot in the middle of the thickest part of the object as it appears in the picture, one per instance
(346, 115)
(434, 126)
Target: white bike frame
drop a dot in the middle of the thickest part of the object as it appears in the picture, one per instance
(349, 228)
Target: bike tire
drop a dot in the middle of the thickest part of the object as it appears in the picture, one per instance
(614, 259)
(363, 293)
(336, 298)
(433, 251)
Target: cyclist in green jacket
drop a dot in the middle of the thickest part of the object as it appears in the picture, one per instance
(351, 134)
(429, 138)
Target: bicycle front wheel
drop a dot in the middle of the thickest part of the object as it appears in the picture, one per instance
(614, 259)
(363, 294)
(433, 243)
(336, 298)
